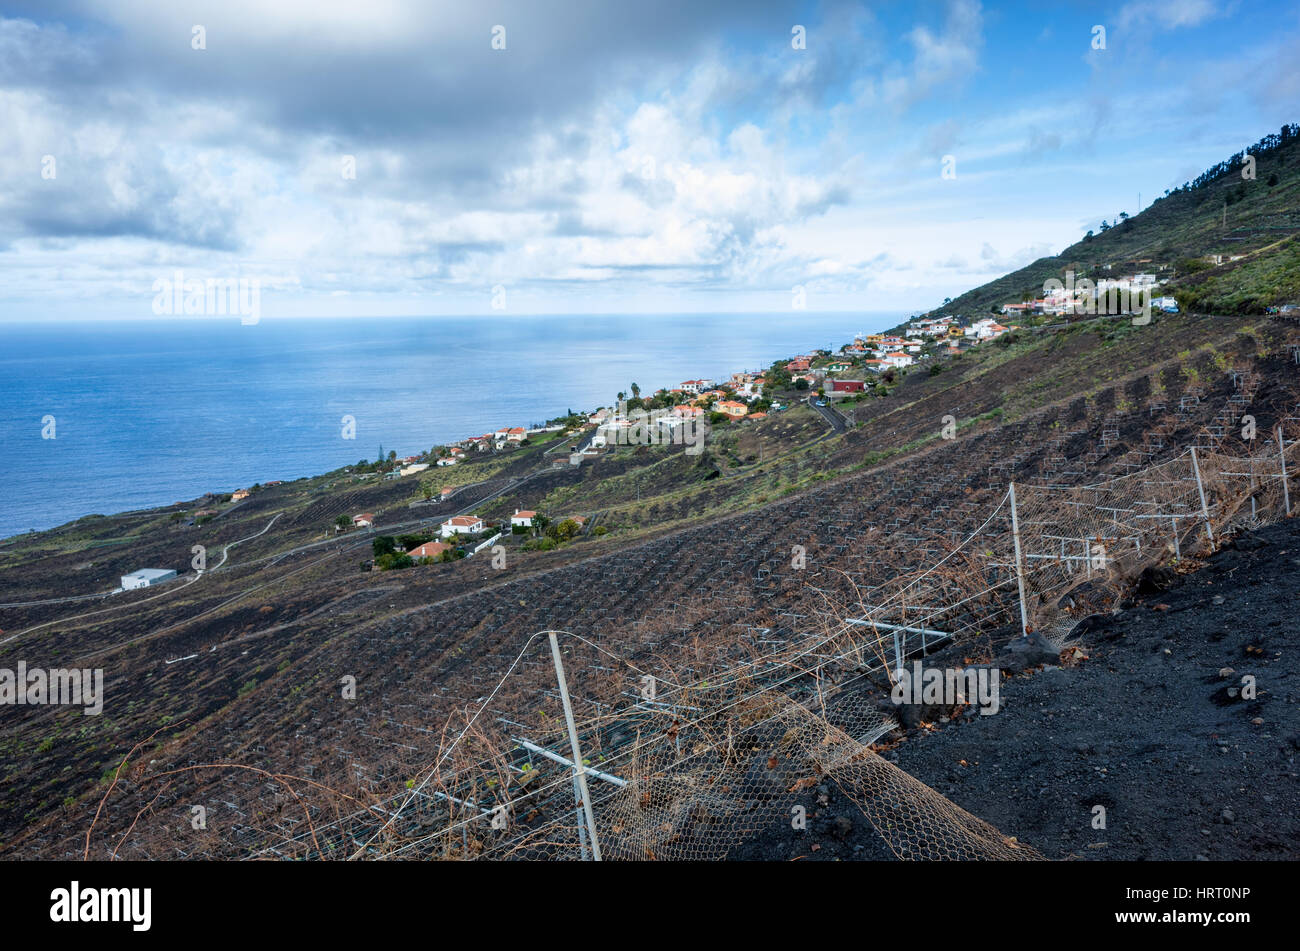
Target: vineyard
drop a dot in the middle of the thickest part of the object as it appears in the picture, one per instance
(714, 673)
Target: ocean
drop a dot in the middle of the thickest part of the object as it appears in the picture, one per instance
(152, 412)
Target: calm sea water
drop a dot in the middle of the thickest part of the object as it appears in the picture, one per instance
(152, 412)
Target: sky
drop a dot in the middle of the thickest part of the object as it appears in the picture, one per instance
(393, 157)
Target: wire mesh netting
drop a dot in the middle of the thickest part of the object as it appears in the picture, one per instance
(698, 729)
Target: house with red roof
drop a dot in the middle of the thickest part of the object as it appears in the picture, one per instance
(429, 550)
(461, 525)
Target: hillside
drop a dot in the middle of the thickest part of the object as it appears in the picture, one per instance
(1220, 214)
(725, 621)
(694, 577)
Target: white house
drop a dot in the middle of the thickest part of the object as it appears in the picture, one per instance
(697, 386)
(414, 468)
(365, 520)
(447, 461)
(461, 525)
(898, 360)
(145, 577)
(523, 517)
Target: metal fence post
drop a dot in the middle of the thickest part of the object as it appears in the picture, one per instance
(579, 773)
(1200, 488)
(1020, 572)
(1281, 451)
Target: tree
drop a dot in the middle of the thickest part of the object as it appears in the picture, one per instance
(343, 521)
(636, 392)
(384, 545)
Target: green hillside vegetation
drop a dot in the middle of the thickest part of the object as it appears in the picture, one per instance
(1252, 220)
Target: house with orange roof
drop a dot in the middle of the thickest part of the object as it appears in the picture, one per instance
(461, 525)
(429, 550)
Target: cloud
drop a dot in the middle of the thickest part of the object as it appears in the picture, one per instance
(1165, 14)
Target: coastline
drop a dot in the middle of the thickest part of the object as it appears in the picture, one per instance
(188, 419)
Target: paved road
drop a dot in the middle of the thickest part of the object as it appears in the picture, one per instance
(831, 416)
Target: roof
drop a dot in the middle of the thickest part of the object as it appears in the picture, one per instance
(151, 573)
(363, 515)
(429, 550)
(525, 513)
(462, 520)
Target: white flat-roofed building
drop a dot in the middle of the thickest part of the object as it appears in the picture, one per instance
(145, 577)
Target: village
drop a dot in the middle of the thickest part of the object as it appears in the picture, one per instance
(869, 366)
(682, 415)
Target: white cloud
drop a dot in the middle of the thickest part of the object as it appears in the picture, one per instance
(1165, 14)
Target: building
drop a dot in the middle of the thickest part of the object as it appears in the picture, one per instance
(429, 550)
(697, 386)
(846, 386)
(364, 520)
(447, 491)
(239, 495)
(414, 468)
(732, 408)
(523, 517)
(146, 577)
(447, 461)
(461, 525)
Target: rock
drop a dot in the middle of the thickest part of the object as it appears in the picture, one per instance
(1227, 815)
(1030, 651)
(1225, 673)
(1155, 579)
(842, 827)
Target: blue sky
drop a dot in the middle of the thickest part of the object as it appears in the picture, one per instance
(681, 156)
